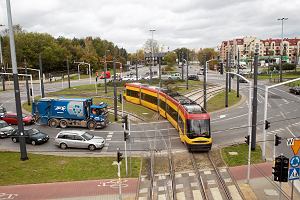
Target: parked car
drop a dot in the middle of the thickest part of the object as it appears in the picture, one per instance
(78, 139)
(295, 90)
(11, 119)
(2, 111)
(32, 136)
(6, 130)
(194, 77)
(175, 76)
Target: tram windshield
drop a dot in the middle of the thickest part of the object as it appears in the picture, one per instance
(198, 128)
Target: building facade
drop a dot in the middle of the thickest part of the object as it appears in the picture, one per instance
(269, 50)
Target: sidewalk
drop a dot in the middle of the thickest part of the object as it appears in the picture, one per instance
(261, 184)
(94, 189)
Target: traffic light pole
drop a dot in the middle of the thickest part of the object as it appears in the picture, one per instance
(266, 113)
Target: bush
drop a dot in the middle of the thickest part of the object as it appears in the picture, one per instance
(285, 66)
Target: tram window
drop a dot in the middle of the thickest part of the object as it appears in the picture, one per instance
(198, 128)
(162, 104)
(149, 98)
(181, 123)
(132, 93)
(173, 113)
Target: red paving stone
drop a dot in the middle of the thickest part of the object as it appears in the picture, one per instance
(256, 171)
(68, 189)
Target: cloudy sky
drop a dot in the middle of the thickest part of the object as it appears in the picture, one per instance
(178, 23)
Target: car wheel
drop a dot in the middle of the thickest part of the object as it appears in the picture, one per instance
(53, 123)
(92, 147)
(14, 140)
(63, 123)
(91, 125)
(33, 142)
(63, 146)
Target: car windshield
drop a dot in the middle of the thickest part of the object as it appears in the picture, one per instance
(3, 124)
(87, 136)
(32, 131)
(198, 128)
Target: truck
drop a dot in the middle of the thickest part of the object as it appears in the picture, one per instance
(73, 112)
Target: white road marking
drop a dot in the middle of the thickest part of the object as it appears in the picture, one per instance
(216, 193)
(180, 196)
(234, 192)
(291, 132)
(282, 115)
(222, 116)
(229, 118)
(197, 194)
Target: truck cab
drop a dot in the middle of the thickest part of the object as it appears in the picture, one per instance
(100, 114)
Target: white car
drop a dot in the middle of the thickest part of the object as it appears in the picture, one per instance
(78, 139)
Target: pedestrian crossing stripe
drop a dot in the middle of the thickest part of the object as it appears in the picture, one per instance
(294, 173)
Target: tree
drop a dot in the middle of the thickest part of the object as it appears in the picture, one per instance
(148, 46)
(206, 54)
(170, 58)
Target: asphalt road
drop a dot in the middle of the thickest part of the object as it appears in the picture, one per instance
(228, 126)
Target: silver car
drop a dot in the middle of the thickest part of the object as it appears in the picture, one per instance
(78, 139)
(6, 130)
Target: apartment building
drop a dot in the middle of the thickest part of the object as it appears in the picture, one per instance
(269, 50)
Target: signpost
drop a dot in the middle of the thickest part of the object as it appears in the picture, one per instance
(294, 170)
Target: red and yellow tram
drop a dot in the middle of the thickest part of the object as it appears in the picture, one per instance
(189, 118)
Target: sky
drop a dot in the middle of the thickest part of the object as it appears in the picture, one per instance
(178, 23)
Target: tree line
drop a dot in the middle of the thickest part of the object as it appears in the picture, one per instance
(55, 51)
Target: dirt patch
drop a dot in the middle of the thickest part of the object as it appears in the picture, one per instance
(216, 157)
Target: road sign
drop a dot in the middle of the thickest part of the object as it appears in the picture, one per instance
(295, 161)
(294, 173)
(296, 146)
(290, 141)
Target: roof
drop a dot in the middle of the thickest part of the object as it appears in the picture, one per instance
(73, 132)
(66, 99)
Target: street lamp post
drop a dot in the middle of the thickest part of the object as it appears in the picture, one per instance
(152, 51)
(281, 46)
(16, 84)
(1, 61)
(84, 63)
(105, 70)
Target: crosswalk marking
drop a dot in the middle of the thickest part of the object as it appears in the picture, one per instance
(197, 195)
(275, 131)
(162, 197)
(234, 192)
(216, 193)
(180, 196)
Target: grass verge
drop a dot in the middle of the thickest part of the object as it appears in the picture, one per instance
(218, 101)
(47, 168)
(242, 155)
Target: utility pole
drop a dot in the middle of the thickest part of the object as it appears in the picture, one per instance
(27, 85)
(254, 100)
(115, 91)
(16, 84)
(152, 49)
(237, 77)
(136, 71)
(159, 68)
(204, 83)
(68, 68)
(226, 84)
(41, 75)
(229, 68)
(105, 70)
(187, 70)
(182, 64)
(1, 62)
(281, 46)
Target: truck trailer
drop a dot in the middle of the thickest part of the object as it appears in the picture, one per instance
(75, 112)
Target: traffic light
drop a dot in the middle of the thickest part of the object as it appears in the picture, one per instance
(277, 140)
(125, 121)
(267, 124)
(119, 156)
(126, 135)
(281, 169)
(247, 139)
(221, 68)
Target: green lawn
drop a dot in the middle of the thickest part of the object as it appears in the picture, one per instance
(287, 75)
(46, 168)
(242, 157)
(218, 101)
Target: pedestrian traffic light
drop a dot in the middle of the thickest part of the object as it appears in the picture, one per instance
(247, 139)
(126, 135)
(125, 121)
(277, 140)
(119, 156)
(267, 124)
(221, 68)
(281, 169)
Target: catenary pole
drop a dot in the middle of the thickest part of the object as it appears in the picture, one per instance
(187, 70)
(204, 83)
(16, 84)
(238, 78)
(41, 76)
(68, 69)
(226, 80)
(254, 100)
(115, 91)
